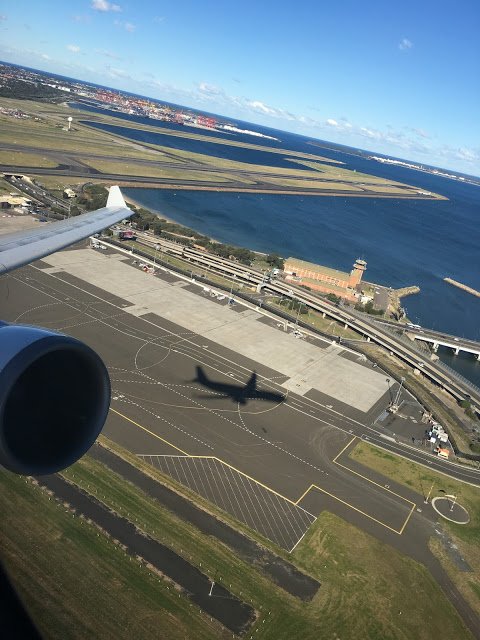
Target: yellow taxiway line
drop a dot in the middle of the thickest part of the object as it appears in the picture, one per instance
(310, 488)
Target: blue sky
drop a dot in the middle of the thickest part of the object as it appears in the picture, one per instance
(397, 77)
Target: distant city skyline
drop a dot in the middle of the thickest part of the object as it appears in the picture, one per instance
(400, 79)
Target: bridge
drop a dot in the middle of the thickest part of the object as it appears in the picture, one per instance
(437, 338)
(457, 344)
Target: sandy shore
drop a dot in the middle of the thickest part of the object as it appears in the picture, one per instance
(139, 205)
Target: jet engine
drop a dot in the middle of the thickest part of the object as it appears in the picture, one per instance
(54, 399)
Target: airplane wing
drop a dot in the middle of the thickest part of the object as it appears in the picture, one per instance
(19, 248)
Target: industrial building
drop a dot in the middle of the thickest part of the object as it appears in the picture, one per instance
(319, 278)
(14, 200)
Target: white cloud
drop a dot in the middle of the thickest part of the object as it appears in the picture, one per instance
(210, 89)
(73, 48)
(257, 105)
(2, 17)
(467, 154)
(332, 123)
(370, 133)
(82, 19)
(103, 5)
(115, 72)
(128, 26)
(45, 56)
(107, 54)
(420, 132)
(159, 19)
(405, 44)
(205, 91)
(260, 107)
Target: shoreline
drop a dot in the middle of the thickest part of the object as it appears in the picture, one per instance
(139, 205)
(162, 216)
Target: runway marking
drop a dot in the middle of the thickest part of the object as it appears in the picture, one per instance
(335, 460)
(242, 426)
(254, 504)
(171, 333)
(384, 487)
(148, 431)
(294, 503)
(128, 401)
(383, 524)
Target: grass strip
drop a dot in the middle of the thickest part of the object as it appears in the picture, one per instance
(77, 583)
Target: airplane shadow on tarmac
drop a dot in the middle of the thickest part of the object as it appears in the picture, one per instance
(238, 393)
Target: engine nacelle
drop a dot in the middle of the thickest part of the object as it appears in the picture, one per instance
(54, 399)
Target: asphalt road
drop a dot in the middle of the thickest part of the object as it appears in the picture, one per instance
(274, 466)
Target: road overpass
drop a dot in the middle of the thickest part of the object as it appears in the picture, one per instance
(439, 340)
(436, 338)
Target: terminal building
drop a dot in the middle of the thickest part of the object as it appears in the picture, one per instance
(326, 280)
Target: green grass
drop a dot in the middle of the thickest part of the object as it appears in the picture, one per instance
(317, 321)
(185, 265)
(19, 159)
(48, 134)
(476, 589)
(373, 591)
(421, 479)
(76, 583)
(156, 170)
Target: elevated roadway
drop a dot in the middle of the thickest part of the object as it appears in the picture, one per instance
(436, 338)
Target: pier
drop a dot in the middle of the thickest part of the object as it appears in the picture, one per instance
(464, 287)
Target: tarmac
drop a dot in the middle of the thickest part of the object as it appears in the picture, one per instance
(273, 465)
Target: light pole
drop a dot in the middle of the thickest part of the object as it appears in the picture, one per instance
(213, 582)
(157, 247)
(231, 288)
(300, 305)
(211, 588)
(397, 397)
(389, 389)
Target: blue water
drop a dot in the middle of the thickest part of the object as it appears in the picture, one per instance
(405, 242)
(211, 147)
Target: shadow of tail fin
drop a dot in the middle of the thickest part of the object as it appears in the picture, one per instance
(201, 377)
(251, 386)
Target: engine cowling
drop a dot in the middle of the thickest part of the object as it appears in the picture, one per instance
(54, 399)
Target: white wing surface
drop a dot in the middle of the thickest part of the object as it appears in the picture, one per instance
(19, 248)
